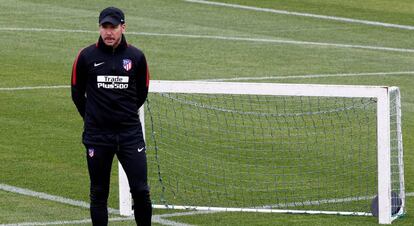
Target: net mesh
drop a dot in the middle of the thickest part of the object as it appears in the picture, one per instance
(277, 152)
(397, 166)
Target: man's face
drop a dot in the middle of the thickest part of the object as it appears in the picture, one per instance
(111, 34)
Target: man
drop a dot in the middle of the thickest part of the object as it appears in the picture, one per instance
(109, 83)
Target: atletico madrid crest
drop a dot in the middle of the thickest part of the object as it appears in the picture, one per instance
(91, 152)
(127, 63)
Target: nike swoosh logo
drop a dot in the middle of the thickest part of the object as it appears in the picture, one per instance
(140, 149)
(97, 64)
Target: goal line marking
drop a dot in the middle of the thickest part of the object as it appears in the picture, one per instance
(227, 38)
(324, 17)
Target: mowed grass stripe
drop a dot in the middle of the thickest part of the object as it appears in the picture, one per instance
(310, 76)
(225, 38)
(324, 17)
(53, 64)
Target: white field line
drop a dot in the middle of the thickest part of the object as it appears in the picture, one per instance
(70, 222)
(155, 219)
(46, 30)
(229, 38)
(280, 41)
(160, 220)
(33, 87)
(45, 196)
(308, 76)
(324, 17)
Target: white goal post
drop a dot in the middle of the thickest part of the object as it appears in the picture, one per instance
(388, 161)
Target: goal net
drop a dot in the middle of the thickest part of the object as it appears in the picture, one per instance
(285, 148)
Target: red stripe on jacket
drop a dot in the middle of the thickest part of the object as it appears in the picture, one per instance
(148, 76)
(74, 68)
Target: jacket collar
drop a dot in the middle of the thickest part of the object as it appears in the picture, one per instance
(101, 45)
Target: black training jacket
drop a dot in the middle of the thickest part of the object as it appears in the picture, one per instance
(109, 85)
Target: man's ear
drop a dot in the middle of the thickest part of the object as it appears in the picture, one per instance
(123, 27)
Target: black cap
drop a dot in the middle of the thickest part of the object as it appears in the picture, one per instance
(111, 15)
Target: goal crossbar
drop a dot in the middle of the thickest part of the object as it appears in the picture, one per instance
(279, 89)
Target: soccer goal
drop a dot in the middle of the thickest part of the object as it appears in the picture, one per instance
(267, 147)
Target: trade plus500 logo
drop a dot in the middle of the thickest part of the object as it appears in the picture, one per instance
(112, 82)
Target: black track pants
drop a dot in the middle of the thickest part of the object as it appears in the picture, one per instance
(130, 150)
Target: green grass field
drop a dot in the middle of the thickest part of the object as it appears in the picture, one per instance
(40, 135)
